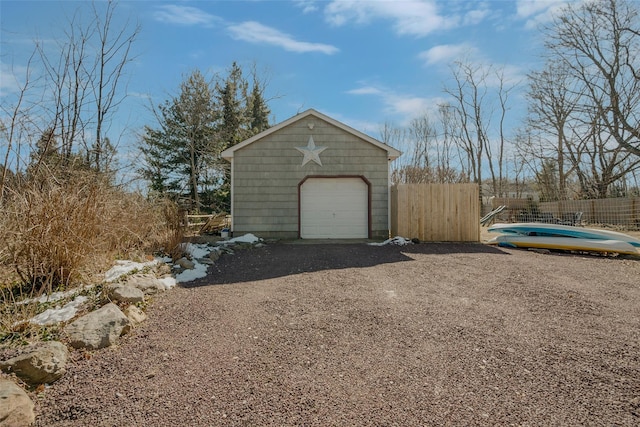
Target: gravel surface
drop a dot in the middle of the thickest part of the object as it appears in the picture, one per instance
(341, 335)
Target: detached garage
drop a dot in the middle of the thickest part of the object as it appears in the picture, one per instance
(310, 177)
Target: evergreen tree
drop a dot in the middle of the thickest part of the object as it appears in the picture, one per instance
(259, 115)
(178, 151)
(244, 114)
(182, 154)
(46, 152)
(548, 182)
(231, 93)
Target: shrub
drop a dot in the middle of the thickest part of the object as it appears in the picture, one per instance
(56, 234)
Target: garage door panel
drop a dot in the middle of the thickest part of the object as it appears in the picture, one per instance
(334, 208)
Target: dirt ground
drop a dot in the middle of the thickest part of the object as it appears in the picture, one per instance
(337, 335)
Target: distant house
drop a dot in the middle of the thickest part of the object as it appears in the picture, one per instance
(310, 177)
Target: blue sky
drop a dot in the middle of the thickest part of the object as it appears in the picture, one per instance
(364, 62)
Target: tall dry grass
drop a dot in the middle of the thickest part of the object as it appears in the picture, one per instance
(57, 234)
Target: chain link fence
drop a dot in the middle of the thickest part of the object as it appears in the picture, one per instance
(615, 213)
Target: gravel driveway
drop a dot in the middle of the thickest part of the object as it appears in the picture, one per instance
(342, 335)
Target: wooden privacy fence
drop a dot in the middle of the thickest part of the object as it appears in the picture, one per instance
(436, 212)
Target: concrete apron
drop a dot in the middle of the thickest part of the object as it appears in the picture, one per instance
(328, 241)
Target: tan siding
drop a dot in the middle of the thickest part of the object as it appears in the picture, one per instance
(267, 174)
(280, 216)
(262, 197)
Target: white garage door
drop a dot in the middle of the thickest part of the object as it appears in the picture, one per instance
(334, 208)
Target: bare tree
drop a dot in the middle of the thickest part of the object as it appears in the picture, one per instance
(552, 100)
(106, 76)
(393, 135)
(597, 161)
(583, 106)
(452, 142)
(84, 80)
(443, 152)
(67, 87)
(427, 152)
(481, 95)
(598, 42)
(469, 93)
(503, 94)
(423, 133)
(17, 125)
(417, 142)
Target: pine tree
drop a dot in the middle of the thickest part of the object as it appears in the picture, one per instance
(232, 96)
(182, 154)
(181, 148)
(259, 114)
(46, 151)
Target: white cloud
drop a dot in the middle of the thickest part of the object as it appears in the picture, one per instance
(528, 8)
(446, 53)
(249, 31)
(406, 106)
(140, 95)
(307, 6)
(365, 90)
(538, 12)
(367, 127)
(476, 16)
(495, 73)
(184, 15)
(416, 18)
(254, 32)
(507, 75)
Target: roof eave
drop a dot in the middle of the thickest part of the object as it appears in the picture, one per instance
(391, 152)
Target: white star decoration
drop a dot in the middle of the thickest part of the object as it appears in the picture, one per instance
(311, 152)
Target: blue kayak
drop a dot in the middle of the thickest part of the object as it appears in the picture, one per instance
(564, 244)
(555, 230)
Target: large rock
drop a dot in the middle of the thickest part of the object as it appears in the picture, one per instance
(185, 263)
(125, 293)
(214, 255)
(135, 315)
(98, 329)
(146, 283)
(39, 364)
(16, 409)
(162, 269)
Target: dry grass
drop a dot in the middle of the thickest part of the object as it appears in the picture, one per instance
(55, 235)
(173, 234)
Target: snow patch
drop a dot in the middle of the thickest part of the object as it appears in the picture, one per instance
(199, 271)
(56, 296)
(168, 282)
(59, 314)
(400, 241)
(125, 267)
(196, 250)
(247, 238)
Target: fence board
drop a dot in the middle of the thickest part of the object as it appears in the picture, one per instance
(436, 212)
